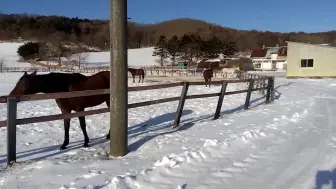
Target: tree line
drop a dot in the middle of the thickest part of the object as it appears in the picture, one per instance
(95, 33)
(191, 47)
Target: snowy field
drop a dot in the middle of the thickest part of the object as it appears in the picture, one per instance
(282, 145)
(136, 57)
(8, 54)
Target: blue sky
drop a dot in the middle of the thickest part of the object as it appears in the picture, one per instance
(272, 15)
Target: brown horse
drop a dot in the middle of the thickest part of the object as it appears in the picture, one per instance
(207, 75)
(140, 72)
(67, 82)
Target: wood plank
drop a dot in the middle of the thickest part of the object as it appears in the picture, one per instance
(202, 95)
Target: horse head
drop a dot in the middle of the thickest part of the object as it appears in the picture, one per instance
(26, 85)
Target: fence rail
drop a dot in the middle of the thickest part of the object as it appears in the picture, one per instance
(256, 83)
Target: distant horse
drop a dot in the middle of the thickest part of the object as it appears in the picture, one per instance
(140, 72)
(207, 75)
(67, 82)
(231, 71)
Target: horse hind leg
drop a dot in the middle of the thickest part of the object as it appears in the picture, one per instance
(139, 78)
(82, 123)
(66, 133)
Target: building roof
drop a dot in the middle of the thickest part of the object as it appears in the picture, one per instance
(266, 52)
(316, 45)
(258, 53)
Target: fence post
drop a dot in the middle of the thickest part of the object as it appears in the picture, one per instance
(272, 89)
(248, 95)
(181, 104)
(11, 130)
(220, 100)
(269, 88)
(263, 85)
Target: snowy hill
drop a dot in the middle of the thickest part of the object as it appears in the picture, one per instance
(136, 57)
(8, 53)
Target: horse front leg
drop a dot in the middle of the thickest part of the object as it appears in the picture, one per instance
(82, 123)
(108, 105)
(66, 133)
(139, 78)
(133, 78)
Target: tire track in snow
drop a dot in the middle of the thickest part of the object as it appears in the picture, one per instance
(319, 153)
(288, 171)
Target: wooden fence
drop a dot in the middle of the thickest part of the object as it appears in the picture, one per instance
(254, 84)
(149, 70)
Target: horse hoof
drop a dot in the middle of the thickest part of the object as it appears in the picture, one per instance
(86, 145)
(63, 147)
(107, 136)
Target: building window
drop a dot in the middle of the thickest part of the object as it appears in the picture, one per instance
(258, 65)
(307, 63)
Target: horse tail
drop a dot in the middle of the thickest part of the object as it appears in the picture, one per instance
(143, 73)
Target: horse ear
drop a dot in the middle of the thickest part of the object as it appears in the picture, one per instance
(25, 74)
(34, 73)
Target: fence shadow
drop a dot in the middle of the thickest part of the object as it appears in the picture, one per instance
(325, 178)
(158, 123)
(153, 122)
(133, 131)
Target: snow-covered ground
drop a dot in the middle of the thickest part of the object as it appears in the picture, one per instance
(9, 56)
(281, 145)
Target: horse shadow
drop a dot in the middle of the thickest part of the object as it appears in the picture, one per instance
(150, 125)
(325, 178)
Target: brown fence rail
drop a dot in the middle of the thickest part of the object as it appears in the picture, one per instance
(256, 83)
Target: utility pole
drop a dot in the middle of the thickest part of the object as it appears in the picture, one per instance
(118, 78)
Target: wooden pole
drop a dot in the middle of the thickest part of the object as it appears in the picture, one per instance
(11, 130)
(268, 90)
(248, 95)
(220, 100)
(118, 78)
(181, 104)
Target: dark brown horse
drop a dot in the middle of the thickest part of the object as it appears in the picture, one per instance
(66, 82)
(140, 72)
(207, 75)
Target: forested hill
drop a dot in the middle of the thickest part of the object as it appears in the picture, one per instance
(96, 32)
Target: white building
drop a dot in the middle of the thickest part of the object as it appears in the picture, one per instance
(270, 58)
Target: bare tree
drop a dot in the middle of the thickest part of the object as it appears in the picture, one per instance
(79, 57)
(58, 41)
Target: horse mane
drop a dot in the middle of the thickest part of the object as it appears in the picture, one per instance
(67, 77)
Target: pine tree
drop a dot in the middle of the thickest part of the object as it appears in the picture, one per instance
(173, 48)
(185, 45)
(160, 49)
(230, 48)
(212, 47)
